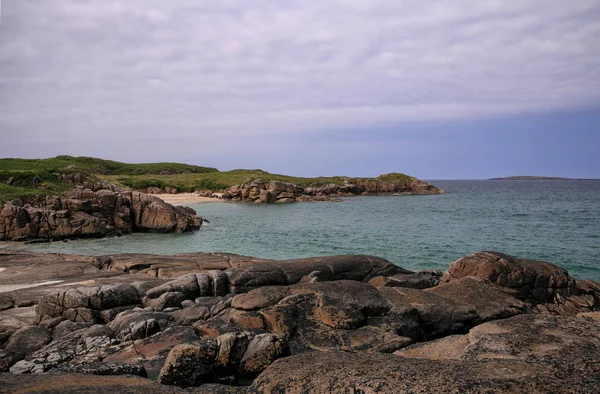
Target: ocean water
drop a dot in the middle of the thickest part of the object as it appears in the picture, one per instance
(556, 221)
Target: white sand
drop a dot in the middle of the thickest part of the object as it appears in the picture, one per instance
(185, 198)
(7, 288)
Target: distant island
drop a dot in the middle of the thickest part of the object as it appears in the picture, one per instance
(535, 178)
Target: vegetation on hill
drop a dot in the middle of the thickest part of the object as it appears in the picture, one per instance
(29, 177)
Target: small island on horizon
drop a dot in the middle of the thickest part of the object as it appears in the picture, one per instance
(536, 178)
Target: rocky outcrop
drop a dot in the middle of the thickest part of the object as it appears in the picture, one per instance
(572, 367)
(325, 324)
(87, 213)
(534, 281)
(262, 191)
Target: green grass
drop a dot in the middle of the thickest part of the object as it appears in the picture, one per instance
(211, 181)
(226, 179)
(8, 193)
(68, 164)
(183, 177)
(23, 172)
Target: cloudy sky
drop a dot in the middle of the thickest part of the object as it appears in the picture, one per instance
(436, 89)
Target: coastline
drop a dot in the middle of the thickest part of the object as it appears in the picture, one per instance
(264, 326)
(185, 198)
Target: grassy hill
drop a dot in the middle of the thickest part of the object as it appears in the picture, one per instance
(35, 176)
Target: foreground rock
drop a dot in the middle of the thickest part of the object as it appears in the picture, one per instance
(324, 324)
(87, 213)
(259, 191)
(342, 372)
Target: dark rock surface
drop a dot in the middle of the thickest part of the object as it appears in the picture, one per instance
(343, 372)
(87, 213)
(534, 281)
(324, 324)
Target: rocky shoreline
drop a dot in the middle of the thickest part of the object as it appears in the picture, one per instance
(260, 191)
(84, 212)
(223, 323)
(99, 209)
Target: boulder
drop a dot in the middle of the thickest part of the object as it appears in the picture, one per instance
(190, 365)
(23, 342)
(532, 281)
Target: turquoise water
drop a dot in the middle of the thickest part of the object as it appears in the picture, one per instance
(556, 221)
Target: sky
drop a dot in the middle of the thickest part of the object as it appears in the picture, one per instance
(462, 89)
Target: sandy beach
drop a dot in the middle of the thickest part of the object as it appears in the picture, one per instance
(185, 198)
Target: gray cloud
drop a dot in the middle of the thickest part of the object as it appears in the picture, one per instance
(145, 80)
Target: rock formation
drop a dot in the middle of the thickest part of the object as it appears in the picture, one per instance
(260, 191)
(87, 213)
(236, 324)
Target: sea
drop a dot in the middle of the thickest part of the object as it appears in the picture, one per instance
(555, 221)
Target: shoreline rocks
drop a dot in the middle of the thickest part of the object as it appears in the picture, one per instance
(84, 213)
(230, 323)
(278, 192)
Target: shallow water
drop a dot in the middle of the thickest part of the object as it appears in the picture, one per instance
(556, 221)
